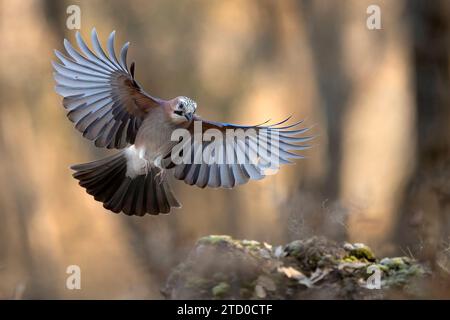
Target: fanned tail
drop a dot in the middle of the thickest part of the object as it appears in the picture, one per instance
(107, 181)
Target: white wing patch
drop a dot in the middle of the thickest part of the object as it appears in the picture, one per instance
(136, 163)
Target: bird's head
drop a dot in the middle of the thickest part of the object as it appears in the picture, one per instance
(183, 109)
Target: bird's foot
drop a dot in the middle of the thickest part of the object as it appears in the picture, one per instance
(159, 177)
(146, 166)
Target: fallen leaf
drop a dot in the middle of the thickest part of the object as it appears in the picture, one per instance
(319, 274)
(279, 252)
(260, 292)
(297, 275)
(291, 273)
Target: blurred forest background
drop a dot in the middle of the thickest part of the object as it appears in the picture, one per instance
(378, 173)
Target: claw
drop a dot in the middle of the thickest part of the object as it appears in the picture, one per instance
(146, 167)
(160, 176)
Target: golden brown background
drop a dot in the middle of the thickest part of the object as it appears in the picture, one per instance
(378, 172)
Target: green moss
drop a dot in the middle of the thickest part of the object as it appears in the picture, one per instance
(399, 271)
(294, 248)
(215, 239)
(350, 259)
(382, 267)
(196, 282)
(220, 290)
(395, 263)
(313, 253)
(362, 252)
(250, 244)
(226, 268)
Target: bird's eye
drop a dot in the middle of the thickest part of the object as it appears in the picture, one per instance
(178, 112)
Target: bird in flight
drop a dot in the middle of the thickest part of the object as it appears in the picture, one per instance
(109, 107)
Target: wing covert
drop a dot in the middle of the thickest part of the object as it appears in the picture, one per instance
(222, 160)
(102, 98)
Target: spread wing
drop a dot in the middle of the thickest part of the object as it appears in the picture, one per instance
(221, 160)
(100, 94)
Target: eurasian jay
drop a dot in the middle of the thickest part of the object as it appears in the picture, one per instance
(108, 106)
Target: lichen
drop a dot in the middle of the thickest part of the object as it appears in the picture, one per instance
(398, 271)
(246, 242)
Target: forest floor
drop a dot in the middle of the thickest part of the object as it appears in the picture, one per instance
(219, 267)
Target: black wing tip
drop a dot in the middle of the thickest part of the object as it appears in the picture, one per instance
(132, 69)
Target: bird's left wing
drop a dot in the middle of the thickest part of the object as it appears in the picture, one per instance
(101, 95)
(225, 155)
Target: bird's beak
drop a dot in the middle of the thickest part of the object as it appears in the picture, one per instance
(189, 116)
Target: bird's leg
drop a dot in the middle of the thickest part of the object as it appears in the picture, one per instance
(161, 174)
(146, 166)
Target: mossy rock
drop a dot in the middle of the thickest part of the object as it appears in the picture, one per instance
(220, 267)
(315, 252)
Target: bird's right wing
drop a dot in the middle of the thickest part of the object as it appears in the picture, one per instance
(101, 95)
(226, 155)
